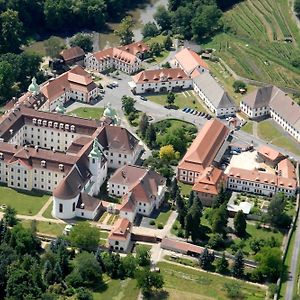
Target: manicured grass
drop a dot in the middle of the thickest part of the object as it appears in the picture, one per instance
(118, 289)
(255, 46)
(104, 234)
(112, 219)
(182, 261)
(48, 211)
(88, 112)
(188, 284)
(182, 99)
(26, 203)
(45, 227)
(248, 127)
(163, 218)
(185, 188)
(268, 131)
(156, 39)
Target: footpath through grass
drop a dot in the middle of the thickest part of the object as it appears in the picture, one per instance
(88, 112)
(26, 203)
(188, 284)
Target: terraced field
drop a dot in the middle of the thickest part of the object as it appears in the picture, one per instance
(260, 41)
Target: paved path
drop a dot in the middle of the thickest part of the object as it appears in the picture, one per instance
(44, 208)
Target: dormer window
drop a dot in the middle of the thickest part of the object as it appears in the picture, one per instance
(61, 167)
(61, 126)
(67, 126)
(39, 121)
(72, 128)
(1, 155)
(43, 163)
(50, 123)
(55, 124)
(34, 120)
(45, 123)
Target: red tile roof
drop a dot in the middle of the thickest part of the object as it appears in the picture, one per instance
(72, 53)
(136, 48)
(117, 54)
(190, 60)
(270, 153)
(121, 230)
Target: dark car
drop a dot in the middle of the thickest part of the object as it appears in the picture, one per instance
(109, 86)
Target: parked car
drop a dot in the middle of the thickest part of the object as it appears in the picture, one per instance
(115, 84)
(199, 113)
(109, 86)
(150, 118)
(191, 111)
(209, 117)
(185, 109)
(188, 110)
(143, 98)
(261, 169)
(101, 91)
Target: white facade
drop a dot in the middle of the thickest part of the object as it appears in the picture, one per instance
(120, 244)
(260, 188)
(162, 86)
(64, 209)
(102, 65)
(254, 112)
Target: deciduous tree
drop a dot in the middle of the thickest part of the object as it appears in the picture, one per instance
(124, 32)
(83, 41)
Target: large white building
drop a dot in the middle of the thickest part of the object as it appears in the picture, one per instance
(209, 90)
(271, 101)
(160, 80)
(64, 154)
(141, 190)
(125, 58)
(75, 84)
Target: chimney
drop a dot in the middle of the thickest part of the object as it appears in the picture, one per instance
(36, 148)
(123, 174)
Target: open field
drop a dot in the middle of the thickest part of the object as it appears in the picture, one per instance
(260, 42)
(26, 203)
(45, 227)
(188, 284)
(117, 289)
(87, 112)
(268, 131)
(182, 99)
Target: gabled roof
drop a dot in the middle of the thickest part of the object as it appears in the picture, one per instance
(270, 153)
(160, 75)
(135, 48)
(205, 146)
(120, 230)
(260, 97)
(72, 53)
(286, 169)
(213, 91)
(190, 60)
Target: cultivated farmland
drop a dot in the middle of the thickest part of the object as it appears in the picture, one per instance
(260, 41)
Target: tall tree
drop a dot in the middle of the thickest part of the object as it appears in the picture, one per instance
(240, 223)
(149, 30)
(128, 104)
(181, 209)
(10, 216)
(143, 124)
(53, 46)
(219, 220)
(174, 188)
(170, 98)
(143, 256)
(168, 43)
(206, 259)
(151, 135)
(83, 41)
(11, 30)
(84, 236)
(163, 18)
(147, 280)
(238, 265)
(222, 264)
(124, 32)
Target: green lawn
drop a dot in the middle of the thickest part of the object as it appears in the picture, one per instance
(45, 227)
(103, 217)
(182, 99)
(163, 218)
(26, 203)
(248, 127)
(117, 289)
(185, 188)
(183, 283)
(104, 234)
(268, 131)
(47, 212)
(88, 112)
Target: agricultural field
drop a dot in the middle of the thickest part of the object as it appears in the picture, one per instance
(260, 41)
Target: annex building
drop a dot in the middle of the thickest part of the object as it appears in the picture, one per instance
(273, 102)
(126, 58)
